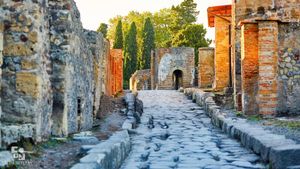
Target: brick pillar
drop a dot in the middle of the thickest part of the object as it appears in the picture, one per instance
(249, 61)
(221, 54)
(268, 59)
(206, 67)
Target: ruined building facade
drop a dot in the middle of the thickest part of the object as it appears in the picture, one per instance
(257, 54)
(53, 71)
(172, 68)
(140, 80)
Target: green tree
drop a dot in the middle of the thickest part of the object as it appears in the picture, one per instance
(118, 42)
(148, 44)
(183, 15)
(192, 36)
(103, 29)
(130, 54)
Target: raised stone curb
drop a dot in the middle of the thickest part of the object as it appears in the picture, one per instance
(276, 149)
(134, 111)
(109, 154)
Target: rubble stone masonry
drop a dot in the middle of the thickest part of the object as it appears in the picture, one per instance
(206, 65)
(26, 95)
(140, 80)
(53, 71)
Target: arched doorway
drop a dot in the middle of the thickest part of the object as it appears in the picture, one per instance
(177, 79)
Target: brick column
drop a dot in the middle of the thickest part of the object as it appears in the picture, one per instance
(268, 59)
(206, 67)
(249, 61)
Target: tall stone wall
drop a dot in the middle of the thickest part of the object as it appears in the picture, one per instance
(96, 43)
(72, 77)
(1, 61)
(116, 70)
(26, 92)
(52, 73)
(206, 66)
(166, 61)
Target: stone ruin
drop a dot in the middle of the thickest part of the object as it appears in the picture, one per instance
(140, 80)
(257, 55)
(53, 71)
(172, 68)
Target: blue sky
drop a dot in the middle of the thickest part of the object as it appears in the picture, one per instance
(94, 12)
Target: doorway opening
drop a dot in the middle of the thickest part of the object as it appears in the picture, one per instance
(177, 79)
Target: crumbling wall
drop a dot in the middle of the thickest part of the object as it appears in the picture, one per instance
(26, 97)
(140, 80)
(166, 61)
(72, 77)
(289, 68)
(206, 66)
(96, 43)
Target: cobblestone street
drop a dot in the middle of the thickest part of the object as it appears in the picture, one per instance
(176, 133)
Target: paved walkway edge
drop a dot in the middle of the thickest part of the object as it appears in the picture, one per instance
(109, 154)
(274, 149)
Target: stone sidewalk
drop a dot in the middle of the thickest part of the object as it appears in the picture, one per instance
(176, 133)
(276, 149)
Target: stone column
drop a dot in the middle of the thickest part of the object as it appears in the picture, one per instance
(221, 80)
(249, 60)
(268, 60)
(206, 67)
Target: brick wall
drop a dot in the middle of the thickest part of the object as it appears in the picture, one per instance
(206, 67)
(166, 61)
(221, 80)
(268, 59)
(249, 60)
(115, 72)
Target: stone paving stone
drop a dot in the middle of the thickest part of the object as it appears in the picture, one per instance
(189, 142)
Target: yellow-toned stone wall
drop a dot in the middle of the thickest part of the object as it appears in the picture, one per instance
(206, 66)
(222, 76)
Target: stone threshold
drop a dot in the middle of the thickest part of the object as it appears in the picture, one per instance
(274, 149)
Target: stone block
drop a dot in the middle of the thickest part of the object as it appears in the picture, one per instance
(285, 156)
(5, 158)
(28, 84)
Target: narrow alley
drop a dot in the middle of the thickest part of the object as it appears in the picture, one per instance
(176, 133)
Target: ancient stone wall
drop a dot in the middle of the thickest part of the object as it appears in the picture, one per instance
(72, 77)
(206, 66)
(289, 68)
(96, 44)
(26, 92)
(53, 74)
(170, 65)
(104, 67)
(140, 80)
